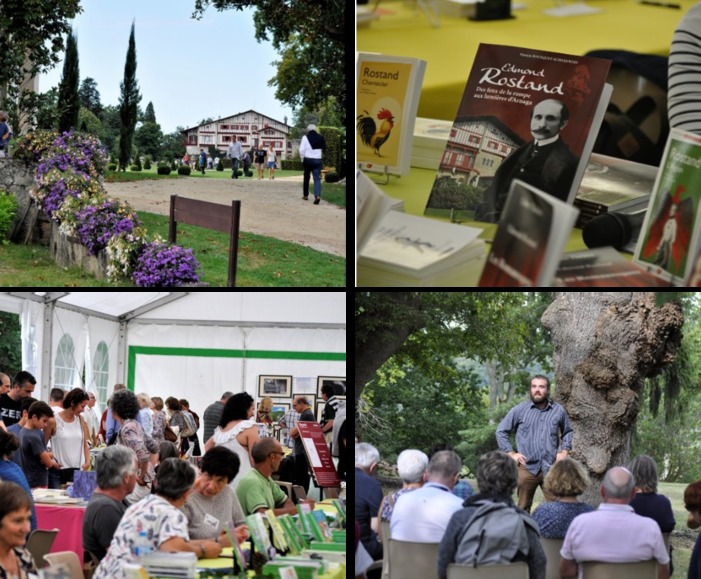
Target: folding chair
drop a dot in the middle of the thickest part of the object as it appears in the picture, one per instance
(67, 559)
(511, 571)
(409, 559)
(39, 544)
(638, 570)
(552, 552)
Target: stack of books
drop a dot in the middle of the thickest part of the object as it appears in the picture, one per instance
(430, 138)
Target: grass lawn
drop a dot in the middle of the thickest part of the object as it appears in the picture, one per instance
(262, 262)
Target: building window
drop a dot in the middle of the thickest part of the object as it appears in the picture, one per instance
(64, 368)
(101, 368)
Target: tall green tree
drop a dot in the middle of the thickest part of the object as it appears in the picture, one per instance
(150, 114)
(310, 36)
(31, 41)
(128, 104)
(90, 96)
(68, 101)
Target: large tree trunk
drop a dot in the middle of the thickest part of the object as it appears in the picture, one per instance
(605, 345)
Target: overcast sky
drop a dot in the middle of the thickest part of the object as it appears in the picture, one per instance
(190, 69)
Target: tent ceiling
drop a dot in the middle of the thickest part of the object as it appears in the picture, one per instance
(111, 305)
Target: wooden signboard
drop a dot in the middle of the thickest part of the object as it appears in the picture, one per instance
(318, 454)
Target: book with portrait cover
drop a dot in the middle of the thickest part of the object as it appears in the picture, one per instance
(670, 239)
(530, 239)
(526, 114)
(386, 101)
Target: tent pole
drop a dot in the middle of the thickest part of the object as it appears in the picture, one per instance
(122, 353)
(47, 378)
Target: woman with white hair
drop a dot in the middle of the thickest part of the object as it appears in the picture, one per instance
(411, 464)
(311, 150)
(368, 496)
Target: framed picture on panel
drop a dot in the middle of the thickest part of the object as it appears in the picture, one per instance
(274, 386)
(338, 382)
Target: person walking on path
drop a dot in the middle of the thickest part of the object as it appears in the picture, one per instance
(310, 150)
(235, 153)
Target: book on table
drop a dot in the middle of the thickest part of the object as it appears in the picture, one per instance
(386, 101)
(525, 114)
(529, 240)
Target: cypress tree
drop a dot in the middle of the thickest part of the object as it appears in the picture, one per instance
(128, 104)
(68, 101)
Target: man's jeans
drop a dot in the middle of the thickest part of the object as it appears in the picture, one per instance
(312, 166)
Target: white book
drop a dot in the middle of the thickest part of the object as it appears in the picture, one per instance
(370, 206)
(406, 249)
(387, 97)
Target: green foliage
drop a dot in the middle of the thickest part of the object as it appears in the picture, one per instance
(290, 165)
(147, 162)
(149, 137)
(309, 35)
(68, 101)
(332, 155)
(8, 210)
(412, 410)
(184, 170)
(128, 103)
(90, 97)
(163, 170)
(111, 167)
(449, 193)
(135, 168)
(332, 177)
(90, 121)
(10, 344)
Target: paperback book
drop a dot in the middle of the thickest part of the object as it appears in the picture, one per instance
(669, 241)
(530, 239)
(371, 206)
(525, 114)
(387, 98)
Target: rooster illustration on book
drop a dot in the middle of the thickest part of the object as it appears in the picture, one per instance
(370, 134)
(670, 233)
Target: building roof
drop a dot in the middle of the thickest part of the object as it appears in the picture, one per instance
(235, 115)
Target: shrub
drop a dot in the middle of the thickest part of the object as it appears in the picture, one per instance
(163, 265)
(164, 170)
(184, 170)
(111, 167)
(135, 168)
(147, 162)
(290, 165)
(332, 177)
(8, 209)
(220, 167)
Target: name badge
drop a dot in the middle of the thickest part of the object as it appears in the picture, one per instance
(211, 521)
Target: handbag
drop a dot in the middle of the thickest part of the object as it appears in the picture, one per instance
(168, 434)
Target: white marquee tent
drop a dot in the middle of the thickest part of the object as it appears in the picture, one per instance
(193, 345)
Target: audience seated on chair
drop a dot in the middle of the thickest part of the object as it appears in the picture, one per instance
(368, 496)
(497, 477)
(613, 533)
(423, 515)
(566, 480)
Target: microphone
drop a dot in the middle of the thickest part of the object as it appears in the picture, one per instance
(616, 229)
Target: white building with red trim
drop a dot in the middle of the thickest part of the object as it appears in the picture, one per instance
(256, 129)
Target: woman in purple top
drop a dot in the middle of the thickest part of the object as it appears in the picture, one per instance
(566, 480)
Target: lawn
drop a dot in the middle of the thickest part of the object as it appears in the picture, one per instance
(262, 262)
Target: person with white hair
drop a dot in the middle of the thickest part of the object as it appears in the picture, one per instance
(368, 496)
(311, 150)
(411, 465)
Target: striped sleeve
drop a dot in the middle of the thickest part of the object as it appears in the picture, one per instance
(684, 92)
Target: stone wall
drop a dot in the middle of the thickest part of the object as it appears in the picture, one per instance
(17, 177)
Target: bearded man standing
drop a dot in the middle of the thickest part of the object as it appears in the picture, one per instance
(543, 436)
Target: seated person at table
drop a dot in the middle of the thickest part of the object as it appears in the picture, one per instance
(214, 505)
(35, 457)
(159, 516)
(9, 471)
(116, 469)
(257, 491)
(15, 510)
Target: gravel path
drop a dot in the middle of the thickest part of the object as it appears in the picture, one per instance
(268, 207)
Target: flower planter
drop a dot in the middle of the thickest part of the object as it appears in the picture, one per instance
(67, 252)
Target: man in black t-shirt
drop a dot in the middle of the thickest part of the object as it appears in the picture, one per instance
(301, 405)
(11, 402)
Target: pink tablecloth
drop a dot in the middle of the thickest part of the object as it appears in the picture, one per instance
(69, 522)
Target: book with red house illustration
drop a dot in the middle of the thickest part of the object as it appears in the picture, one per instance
(525, 114)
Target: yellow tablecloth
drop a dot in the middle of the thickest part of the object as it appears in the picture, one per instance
(450, 49)
(224, 563)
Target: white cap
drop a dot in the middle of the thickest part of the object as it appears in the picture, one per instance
(311, 127)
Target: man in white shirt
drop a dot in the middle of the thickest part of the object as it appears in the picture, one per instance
(235, 153)
(422, 516)
(311, 150)
(92, 420)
